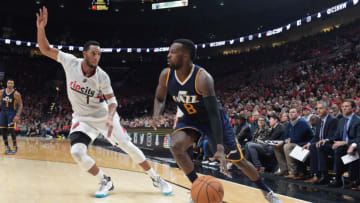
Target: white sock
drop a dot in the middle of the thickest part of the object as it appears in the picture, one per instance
(152, 173)
(101, 174)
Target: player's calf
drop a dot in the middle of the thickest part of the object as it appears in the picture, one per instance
(138, 157)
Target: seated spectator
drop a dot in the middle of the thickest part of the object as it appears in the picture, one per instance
(313, 121)
(255, 147)
(22, 130)
(31, 132)
(284, 118)
(348, 132)
(325, 129)
(298, 133)
(241, 129)
(253, 121)
(42, 131)
(355, 147)
(335, 112)
(307, 113)
(204, 147)
(277, 129)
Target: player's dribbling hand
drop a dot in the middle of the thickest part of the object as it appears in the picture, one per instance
(219, 155)
(42, 17)
(109, 126)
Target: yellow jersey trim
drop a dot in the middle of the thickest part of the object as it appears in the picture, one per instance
(167, 77)
(196, 78)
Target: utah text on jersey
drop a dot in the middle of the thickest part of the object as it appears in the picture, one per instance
(7, 99)
(184, 98)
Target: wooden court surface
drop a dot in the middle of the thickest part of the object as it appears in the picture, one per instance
(43, 171)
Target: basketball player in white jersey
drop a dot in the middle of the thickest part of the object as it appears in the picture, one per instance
(87, 85)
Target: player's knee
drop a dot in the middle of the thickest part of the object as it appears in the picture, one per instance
(78, 151)
(177, 147)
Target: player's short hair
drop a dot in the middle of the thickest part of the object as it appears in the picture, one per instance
(189, 46)
(89, 43)
(10, 79)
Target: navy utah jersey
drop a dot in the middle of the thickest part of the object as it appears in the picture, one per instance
(186, 95)
(8, 101)
(191, 103)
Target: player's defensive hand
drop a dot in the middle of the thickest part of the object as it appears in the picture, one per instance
(219, 155)
(42, 17)
(109, 126)
(155, 122)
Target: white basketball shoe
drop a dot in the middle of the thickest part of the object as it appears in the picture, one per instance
(271, 197)
(106, 186)
(165, 187)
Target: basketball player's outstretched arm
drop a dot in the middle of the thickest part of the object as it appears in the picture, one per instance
(205, 85)
(41, 21)
(112, 110)
(18, 98)
(160, 98)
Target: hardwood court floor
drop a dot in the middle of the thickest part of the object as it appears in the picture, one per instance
(43, 171)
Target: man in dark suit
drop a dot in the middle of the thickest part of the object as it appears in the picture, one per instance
(335, 112)
(355, 147)
(348, 131)
(325, 129)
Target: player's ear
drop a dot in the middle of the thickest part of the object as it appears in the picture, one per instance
(84, 53)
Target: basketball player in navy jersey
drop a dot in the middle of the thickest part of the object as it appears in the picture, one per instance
(11, 108)
(192, 88)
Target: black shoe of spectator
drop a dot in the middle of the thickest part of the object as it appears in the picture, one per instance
(335, 184)
(322, 181)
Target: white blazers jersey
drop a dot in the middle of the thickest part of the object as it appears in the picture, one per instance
(85, 93)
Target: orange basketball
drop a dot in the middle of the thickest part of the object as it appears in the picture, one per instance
(207, 189)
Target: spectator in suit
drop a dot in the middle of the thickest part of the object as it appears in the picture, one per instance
(347, 132)
(313, 121)
(325, 129)
(335, 112)
(355, 147)
(298, 133)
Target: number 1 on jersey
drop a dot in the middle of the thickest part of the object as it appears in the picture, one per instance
(190, 109)
(87, 99)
